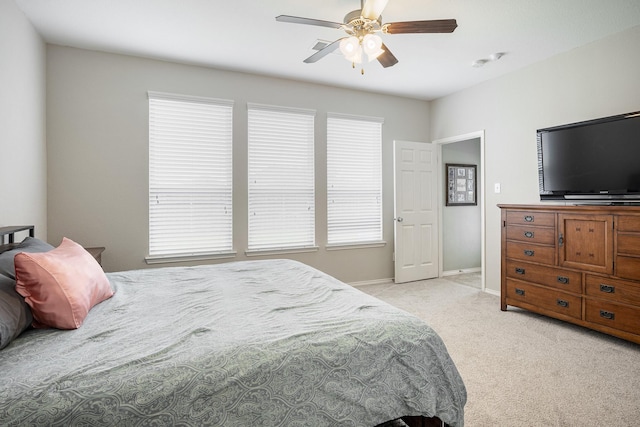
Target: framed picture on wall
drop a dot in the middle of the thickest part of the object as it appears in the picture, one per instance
(461, 185)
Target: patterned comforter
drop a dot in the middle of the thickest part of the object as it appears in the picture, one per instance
(257, 343)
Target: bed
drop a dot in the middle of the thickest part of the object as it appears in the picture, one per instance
(249, 343)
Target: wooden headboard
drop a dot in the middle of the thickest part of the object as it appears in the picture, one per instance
(11, 230)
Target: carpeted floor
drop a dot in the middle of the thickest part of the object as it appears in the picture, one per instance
(522, 369)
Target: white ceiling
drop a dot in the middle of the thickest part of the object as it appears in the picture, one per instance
(243, 35)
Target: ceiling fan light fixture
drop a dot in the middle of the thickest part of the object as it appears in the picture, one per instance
(349, 46)
(372, 45)
(356, 58)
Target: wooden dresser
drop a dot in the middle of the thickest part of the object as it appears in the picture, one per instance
(580, 264)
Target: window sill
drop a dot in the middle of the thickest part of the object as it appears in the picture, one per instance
(281, 251)
(363, 245)
(163, 259)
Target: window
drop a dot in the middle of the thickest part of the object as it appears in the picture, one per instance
(281, 178)
(190, 176)
(354, 180)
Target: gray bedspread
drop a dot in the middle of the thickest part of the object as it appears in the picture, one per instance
(257, 343)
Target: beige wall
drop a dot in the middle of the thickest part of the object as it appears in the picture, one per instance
(97, 136)
(597, 80)
(23, 185)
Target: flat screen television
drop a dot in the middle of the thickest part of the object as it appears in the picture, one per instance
(596, 160)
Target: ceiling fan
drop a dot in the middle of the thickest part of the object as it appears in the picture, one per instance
(361, 27)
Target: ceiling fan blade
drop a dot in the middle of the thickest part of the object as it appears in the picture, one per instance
(323, 52)
(308, 21)
(386, 58)
(434, 26)
(373, 8)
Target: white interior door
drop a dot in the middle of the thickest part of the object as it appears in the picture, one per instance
(416, 211)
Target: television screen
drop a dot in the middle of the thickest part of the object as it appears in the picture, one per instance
(598, 159)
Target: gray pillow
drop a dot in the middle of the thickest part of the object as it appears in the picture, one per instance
(15, 314)
(29, 244)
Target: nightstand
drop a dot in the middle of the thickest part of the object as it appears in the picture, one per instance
(96, 253)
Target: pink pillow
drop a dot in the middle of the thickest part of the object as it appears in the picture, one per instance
(61, 285)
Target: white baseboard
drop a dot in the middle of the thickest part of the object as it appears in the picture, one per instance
(370, 282)
(461, 271)
(492, 292)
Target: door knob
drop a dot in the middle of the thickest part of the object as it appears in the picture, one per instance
(399, 219)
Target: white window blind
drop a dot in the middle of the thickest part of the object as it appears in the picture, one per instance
(354, 179)
(190, 175)
(281, 178)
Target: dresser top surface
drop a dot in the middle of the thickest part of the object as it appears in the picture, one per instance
(624, 209)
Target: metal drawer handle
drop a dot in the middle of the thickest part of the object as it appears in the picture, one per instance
(529, 252)
(519, 270)
(607, 288)
(520, 291)
(563, 280)
(562, 303)
(528, 218)
(607, 315)
(528, 234)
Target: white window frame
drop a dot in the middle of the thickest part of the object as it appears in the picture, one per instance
(191, 171)
(281, 179)
(354, 181)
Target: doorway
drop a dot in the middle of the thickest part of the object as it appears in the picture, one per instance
(462, 230)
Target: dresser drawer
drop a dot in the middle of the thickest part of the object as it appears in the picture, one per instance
(628, 223)
(527, 233)
(565, 280)
(531, 252)
(549, 299)
(628, 267)
(628, 244)
(616, 316)
(612, 289)
(540, 219)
